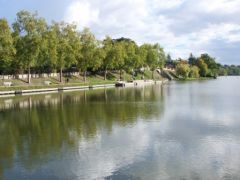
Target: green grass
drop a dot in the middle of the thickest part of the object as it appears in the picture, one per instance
(178, 78)
(38, 83)
(193, 79)
(56, 85)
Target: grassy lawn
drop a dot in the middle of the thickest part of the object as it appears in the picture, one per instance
(41, 85)
(193, 79)
(38, 83)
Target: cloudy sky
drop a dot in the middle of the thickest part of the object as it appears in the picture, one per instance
(180, 26)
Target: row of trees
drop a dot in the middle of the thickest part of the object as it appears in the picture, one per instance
(231, 70)
(203, 66)
(33, 45)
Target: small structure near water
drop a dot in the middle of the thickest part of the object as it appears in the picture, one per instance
(137, 83)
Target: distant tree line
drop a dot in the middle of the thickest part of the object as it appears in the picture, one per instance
(203, 66)
(231, 70)
(34, 46)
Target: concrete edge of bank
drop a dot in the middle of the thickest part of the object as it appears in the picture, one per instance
(69, 88)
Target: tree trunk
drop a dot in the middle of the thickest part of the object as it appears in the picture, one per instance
(79, 74)
(30, 102)
(105, 74)
(153, 74)
(143, 74)
(120, 75)
(60, 75)
(105, 95)
(29, 75)
(85, 76)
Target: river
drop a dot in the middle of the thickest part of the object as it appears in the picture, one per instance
(181, 130)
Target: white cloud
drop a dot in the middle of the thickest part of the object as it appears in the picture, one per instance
(181, 26)
(98, 158)
(81, 13)
(163, 4)
(228, 32)
(219, 6)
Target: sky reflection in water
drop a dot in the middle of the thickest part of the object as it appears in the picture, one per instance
(183, 130)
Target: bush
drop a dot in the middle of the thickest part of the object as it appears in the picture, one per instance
(203, 68)
(194, 72)
(183, 70)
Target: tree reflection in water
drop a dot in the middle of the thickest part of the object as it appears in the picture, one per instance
(33, 127)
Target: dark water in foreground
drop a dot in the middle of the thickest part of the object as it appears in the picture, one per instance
(183, 130)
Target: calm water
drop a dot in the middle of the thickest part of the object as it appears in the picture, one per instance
(183, 130)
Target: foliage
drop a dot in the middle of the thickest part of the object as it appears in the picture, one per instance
(232, 70)
(194, 72)
(28, 29)
(192, 60)
(182, 70)
(203, 67)
(34, 45)
(7, 49)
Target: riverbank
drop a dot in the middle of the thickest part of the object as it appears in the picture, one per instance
(194, 79)
(47, 89)
(19, 86)
(43, 133)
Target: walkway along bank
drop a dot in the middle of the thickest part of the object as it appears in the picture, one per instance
(69, 88)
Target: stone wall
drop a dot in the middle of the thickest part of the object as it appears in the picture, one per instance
(44, 75)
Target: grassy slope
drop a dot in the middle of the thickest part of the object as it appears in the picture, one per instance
(193, 79)
(73, 81)
(187, 79)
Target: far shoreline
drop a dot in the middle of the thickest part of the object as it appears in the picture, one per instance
(40, 89)
(76, 87)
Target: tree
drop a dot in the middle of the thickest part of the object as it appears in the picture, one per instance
(161, 55)
(74, 46)
(210, 61)
(183, 70)
(119, 55)
(7, 50)
(194, 72)
(67, 46)
(222, 71)
(155, 56)
(88, 51)
(99, 55)
(169, 59)
(48, 55)
(131, 59)
(169, 62)
(108, 62)
(203, 67)
(213, 67)
(232, 70)
(61, 48)
(27, 28)
(143, 52)
(192, 60)
(152, 59)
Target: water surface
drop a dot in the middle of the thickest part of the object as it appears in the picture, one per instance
(182, 130)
